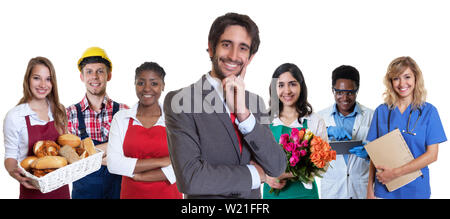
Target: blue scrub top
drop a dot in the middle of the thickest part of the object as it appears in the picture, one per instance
(429, 131)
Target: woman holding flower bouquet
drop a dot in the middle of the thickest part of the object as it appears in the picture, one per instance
(300, 132)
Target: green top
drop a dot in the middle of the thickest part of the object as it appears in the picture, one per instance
(292, 190)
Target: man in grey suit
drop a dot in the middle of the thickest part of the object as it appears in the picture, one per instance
(217, 132)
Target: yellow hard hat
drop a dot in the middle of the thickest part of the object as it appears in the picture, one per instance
(94, 51)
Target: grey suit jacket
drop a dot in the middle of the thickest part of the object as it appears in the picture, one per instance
(204, 147)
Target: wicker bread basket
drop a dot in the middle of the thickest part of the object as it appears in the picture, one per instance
(66, 174)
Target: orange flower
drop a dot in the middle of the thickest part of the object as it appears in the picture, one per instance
(316, 144)
(319, 163)
(324, 155)
(316, 158)
(301, 133)
(315, 148)
(333, 155)
(316, 140)
(321, 152)
(326, 146)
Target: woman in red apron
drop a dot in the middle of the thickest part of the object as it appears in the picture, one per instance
(38, 116)
(137, 147)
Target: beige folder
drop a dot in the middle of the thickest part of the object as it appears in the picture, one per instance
(391, 151)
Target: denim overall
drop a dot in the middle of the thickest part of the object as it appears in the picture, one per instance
(100, 184)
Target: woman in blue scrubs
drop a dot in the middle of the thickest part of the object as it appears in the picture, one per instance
(405, 108)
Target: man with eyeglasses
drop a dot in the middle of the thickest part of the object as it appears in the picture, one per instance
(346, 120)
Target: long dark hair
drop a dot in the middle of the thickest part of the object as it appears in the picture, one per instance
(302, 105)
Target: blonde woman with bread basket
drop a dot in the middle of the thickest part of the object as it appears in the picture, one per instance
(38, 116)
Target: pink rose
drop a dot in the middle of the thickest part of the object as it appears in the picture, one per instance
(302, 153)
(290, 147)
(297, 146)
(304, 143)
(284, 138)
(294, 135)
(293, 161)
(295, 158)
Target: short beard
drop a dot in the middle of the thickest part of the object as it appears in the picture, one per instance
(216, 68)
(99, 93)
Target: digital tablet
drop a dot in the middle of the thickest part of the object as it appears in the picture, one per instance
(343, 147)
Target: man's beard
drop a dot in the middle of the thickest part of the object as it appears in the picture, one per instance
(219, 73)
(101, 92)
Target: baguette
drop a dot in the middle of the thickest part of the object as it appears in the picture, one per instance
(49, 162)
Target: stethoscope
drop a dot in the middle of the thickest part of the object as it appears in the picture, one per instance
(407, 131)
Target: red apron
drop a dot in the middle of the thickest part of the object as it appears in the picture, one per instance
(143, 143)
(37, 133)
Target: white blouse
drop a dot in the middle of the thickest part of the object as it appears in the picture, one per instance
(315, 123)
(15, 131)
(118, 163)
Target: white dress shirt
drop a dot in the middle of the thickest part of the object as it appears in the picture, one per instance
(118, 163)
(15, 130)
(244, 127)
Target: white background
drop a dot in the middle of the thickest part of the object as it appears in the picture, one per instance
(316, 35)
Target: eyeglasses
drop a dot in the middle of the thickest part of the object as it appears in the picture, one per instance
(340, 93)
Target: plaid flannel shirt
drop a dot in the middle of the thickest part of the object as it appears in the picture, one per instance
(97, 124)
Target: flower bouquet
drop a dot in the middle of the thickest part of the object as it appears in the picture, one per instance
(307, 155)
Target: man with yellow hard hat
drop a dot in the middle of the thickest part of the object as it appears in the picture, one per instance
(92, 118)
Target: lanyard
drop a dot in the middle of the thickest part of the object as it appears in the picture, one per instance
(407, 125)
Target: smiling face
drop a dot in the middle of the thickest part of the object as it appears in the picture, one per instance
(345, 100)
(149, 86)
(288, 89)
(232, 52)
(404, 84)
(40, 82)
(95, 76)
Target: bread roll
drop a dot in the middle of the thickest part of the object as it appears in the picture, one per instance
(26, 163)
(88, 145)
(69, 153)
(69, 139)
(45, 148)
(49, 162)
